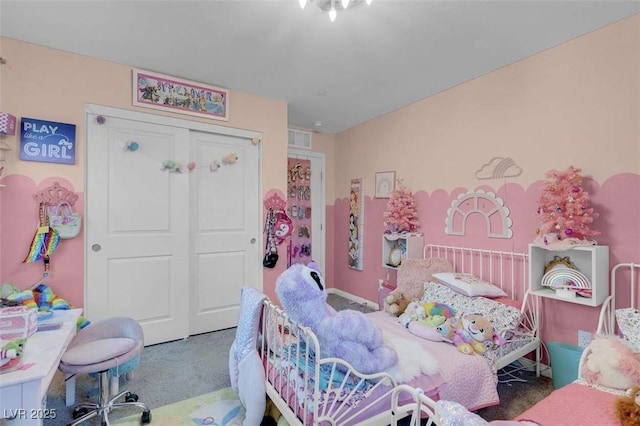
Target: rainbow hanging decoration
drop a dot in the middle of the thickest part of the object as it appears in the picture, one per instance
(564, 279)
(44, 244)
(45, 241)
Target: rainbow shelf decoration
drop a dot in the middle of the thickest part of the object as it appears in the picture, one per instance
(568, 283)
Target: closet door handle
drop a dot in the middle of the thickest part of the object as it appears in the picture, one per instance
(253, 241)
(96, 247)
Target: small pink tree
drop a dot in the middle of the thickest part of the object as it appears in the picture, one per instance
(564, 210)
(401, 213)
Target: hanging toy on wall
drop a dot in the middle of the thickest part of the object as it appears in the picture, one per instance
(283, 227)
(45, 241)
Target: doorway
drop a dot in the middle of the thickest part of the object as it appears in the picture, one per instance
(309, 233)
(172, 229)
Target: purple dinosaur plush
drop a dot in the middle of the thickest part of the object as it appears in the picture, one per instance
(346, 334)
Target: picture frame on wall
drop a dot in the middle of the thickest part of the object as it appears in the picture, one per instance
(166, 93)
(385, 183)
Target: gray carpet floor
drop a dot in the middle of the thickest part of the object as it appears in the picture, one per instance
(178, 370)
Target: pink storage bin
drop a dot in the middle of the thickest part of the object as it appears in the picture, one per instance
(17, 322)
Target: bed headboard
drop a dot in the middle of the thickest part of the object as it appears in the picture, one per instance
(625, 280)
(507, 270)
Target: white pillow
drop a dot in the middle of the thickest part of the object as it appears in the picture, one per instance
(469, 284)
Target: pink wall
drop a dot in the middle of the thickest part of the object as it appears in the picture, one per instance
(576, 104)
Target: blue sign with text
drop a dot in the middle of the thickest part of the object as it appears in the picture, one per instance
(47, 141)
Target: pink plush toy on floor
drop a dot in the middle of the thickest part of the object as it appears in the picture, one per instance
(345, 334)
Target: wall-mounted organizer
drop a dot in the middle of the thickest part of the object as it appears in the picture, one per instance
(591, 261)
(300, 210)
(397, 247)
(59, 203)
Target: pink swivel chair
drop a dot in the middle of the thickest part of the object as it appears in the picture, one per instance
(102, 346)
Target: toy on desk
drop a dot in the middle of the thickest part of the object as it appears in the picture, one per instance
(11, 354)
(41, 297)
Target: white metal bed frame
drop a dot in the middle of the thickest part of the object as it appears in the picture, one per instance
(607, 319)
(509, 271)
(607, 324)
(278, 332)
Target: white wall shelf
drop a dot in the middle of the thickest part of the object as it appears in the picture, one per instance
(413, 245)
(592, 261)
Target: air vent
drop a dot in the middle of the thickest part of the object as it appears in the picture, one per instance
(299, 139)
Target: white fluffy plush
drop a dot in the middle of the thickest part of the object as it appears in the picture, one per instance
(611, 362)
(413, 360)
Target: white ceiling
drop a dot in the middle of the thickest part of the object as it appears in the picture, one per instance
(371, 60)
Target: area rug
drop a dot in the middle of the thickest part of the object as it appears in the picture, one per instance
(216, 408)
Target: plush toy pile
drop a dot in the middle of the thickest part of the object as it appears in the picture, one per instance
(345, 334)
(471, 333)
(430, 314)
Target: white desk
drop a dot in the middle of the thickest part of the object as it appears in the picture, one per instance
(22, 391)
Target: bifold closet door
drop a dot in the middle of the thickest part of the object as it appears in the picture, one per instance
(137, 227)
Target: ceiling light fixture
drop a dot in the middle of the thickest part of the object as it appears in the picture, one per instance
(333, 6)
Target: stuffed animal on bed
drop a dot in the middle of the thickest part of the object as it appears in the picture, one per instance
(396, 304)
(412, 274)
(628, 407)
(430, 314)
(471, 333)
(349, 335)
(611, 362)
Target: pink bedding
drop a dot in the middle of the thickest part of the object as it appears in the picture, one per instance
(571, 405)
(468, 379)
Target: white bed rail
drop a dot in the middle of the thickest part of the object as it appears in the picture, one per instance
(421, 408)
(507, 270)
(622, 274)
(311, 391)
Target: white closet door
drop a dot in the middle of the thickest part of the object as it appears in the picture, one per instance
(137, 226)
(225, 235)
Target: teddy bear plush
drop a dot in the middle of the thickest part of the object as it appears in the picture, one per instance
(396, 304)
(471, 333)
(346, 334)
(412, 274)
(628, 407)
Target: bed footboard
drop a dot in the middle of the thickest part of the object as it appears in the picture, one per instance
(310, 390)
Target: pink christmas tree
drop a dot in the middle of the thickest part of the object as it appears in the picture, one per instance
(564, 210)
(401, 211)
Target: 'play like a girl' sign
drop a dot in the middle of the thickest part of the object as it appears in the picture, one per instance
(47, 141)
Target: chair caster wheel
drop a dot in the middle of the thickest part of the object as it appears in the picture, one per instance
(131, 397)
(79, 412)
(145, 418)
